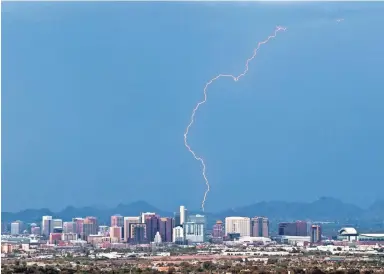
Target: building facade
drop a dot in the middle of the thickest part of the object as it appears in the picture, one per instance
(46, 226)
(178, 235)
(194, 232)
(138, 233)
(315, 233)
(127, 225)
(166, 229)
(241, 225)
(260, 227)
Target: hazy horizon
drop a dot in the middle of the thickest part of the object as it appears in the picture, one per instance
(96, 97)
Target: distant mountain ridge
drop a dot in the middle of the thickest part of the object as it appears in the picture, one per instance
(323, 209)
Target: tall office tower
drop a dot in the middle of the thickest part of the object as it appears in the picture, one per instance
(152, 224)
(69, 227)
(115, 232)
(79, 226)
(117, 220)
(259, 227)
(16, 228)
(46, 225)
(298, 228)
(183, 215)
(57, 223)
(178, 235)
(127, 222)
(90, 227)
(177, 218)
(241, 225)
(196, 218)
(144, 215)
(288, 229)
(194, 232)
(315, 233)
(166, 229)
(301, 228)
(138, 233)
(218, 230)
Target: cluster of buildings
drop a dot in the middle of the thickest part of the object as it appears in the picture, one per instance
(149, 227)
(180, 229)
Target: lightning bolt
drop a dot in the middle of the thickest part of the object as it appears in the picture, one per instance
(235, 78)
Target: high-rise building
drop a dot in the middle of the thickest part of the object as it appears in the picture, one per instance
(90, 227)
(301, 228)
(115, 233)
(196, 218)
(177, 218)
(241, 225)
(47, 225)
(144, 215)
(152, 224)
(218, 230)
(17, 228)
(79, 225)
(259, 227)
(194, 232)
(57, 223)
(138, 233)
(166, 229)
(127, 222)
(298, 228)
(315, 233)
(117, 220)
(69, 227)
(288, 229)
(183, 215)
(178, 235)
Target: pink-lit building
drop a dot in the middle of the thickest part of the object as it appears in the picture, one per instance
(90, 227)
(165, 229)
(115, 233)
(259, 227)
(79, 225)
(218, 230)
(117, 220)
(55, 238)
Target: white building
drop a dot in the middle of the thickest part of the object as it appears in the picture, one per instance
(183, 214)
(194, 232)
(241, 225)
(46, 225)
(127, 222)
(178, 235)
(57, 223)
(16, 228)
(157, 239)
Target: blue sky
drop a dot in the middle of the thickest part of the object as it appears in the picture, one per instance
(96, 98)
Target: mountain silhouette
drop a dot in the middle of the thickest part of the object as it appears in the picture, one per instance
(323, 209)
